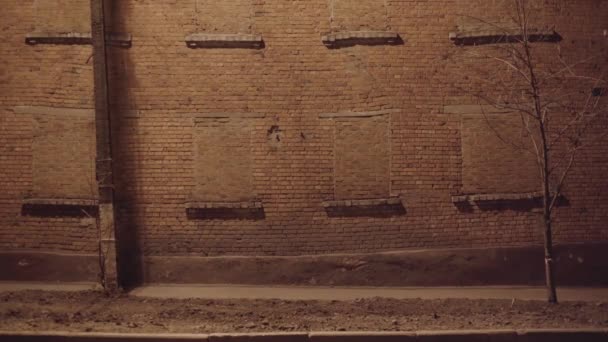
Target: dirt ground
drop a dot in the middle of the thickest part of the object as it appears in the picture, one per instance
(97, 312)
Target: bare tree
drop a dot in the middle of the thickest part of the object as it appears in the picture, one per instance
(556, 93)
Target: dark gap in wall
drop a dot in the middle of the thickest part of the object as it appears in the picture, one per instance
(379, 211)
(253, 214)
(57, 210)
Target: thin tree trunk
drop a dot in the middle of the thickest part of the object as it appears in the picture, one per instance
(549, 267)
(548, 234)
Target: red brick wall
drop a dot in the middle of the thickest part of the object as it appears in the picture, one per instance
(362, 158)
(159, 86)
(498, 155)
(46, 76)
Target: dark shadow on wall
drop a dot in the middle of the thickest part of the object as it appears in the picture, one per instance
(375, 211)
(130, 269)
(347, 43)
(254, 214)
(521, 205)
(42, 210)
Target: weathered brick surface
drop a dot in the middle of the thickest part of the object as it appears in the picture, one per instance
(475, 16)
(359, 15)
(60, 16)
(497, 155)
(224, 16)
(361, 157)
(160, 85)
(223, 162)
(63, 156)
(52, 76)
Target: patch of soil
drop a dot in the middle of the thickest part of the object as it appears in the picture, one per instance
(97, 312)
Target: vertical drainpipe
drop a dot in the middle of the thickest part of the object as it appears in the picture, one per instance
(106, 223)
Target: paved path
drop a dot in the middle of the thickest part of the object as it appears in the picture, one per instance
(326, 293)
(351, 293)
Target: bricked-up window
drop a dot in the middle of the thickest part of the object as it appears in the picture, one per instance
(488, 22)
(359, 15)
(497, 163)
(362, 158)
(63, 16)
(63, 153)
(223, 160)
(224, 24)
(226, 16)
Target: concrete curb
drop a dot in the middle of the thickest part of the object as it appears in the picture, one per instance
(533, 335)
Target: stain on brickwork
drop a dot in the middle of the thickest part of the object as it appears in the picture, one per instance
(497, 155)
(362, 158)
(63, 16)
(223, 160)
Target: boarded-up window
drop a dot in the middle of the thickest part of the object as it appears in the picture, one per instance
(223, 160)
(351, 15)
(63, 16)
(497, 155)
(226, 16)
(362, 158)
(63, 153)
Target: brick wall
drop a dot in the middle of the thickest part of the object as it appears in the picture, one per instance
(360, 15)
(49, 76)
(223, 16)
(160, 86)
(362, 158)
(63, 154)
(61, 16)
(498, 155)
(223, 161)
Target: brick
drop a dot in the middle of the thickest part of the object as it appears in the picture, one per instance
(293, 157)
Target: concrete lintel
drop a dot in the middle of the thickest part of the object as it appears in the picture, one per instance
(499, 197)
(363, 202)
(495, 197)
(475, 109)
(224, 40)
(202, 116)
(225, 205)
(55, 111)
(61, 201)
(358, 114)
(75, 38)
(497, 36)
(361, 37)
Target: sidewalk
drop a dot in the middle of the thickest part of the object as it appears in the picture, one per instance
(181, 291)
(351, 293)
